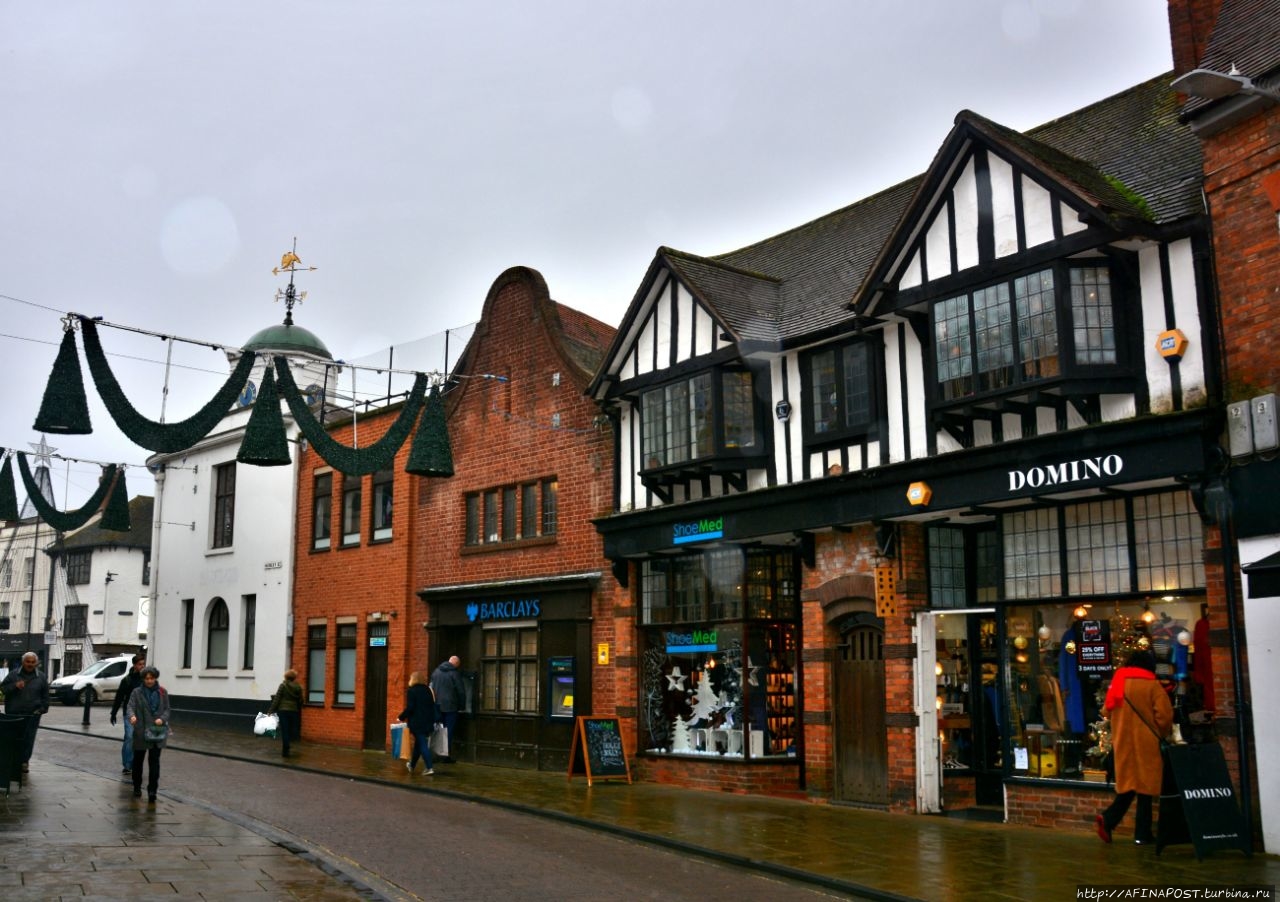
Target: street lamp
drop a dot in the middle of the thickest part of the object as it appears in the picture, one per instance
(1210, 85)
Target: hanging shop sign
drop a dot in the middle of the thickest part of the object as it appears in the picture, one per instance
(1093, 648)
(519, 609)
(697, 531)
(693, 640)
(1066, 472)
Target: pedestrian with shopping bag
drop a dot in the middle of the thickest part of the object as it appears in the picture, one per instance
(286, 704)
(419, 715)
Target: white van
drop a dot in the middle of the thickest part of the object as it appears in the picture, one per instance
(100, 679)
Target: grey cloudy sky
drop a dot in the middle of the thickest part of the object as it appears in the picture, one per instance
(158, 158)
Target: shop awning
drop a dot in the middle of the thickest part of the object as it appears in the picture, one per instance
(1264, 576)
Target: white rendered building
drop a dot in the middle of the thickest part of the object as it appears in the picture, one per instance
(223, 550)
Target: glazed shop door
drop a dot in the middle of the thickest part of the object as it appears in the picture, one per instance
(862, 752)
(375, 687)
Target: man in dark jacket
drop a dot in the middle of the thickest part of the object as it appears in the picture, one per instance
(451, 697)
(26, 693)
(132, 680)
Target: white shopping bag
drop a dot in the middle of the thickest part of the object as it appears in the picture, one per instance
(440, 741)
(266, 724)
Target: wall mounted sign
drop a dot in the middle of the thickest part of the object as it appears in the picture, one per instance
(521, 609)
(697, 531)
(693, 640)
(919, 494)
(1066, 472)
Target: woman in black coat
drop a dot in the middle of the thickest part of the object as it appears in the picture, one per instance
(420, 715)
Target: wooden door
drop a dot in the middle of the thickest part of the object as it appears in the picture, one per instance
(376, 729)
(862, 752)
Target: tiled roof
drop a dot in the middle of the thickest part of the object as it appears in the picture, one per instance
(584, 338)
(1128, 153)
(746, 302)
(1135, 138)
(138, 536)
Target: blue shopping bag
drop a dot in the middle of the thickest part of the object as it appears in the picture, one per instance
(397, 738)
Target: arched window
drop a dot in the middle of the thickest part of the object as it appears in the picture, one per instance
(219, 634)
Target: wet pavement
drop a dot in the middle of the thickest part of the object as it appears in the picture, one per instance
(858, 852)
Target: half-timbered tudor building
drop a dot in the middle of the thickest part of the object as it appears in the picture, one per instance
(898, 487)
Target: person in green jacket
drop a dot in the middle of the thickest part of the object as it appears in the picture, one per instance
(287, 704)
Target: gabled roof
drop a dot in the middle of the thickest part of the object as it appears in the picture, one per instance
(94, 536)
(1126, 155)
(745, 302)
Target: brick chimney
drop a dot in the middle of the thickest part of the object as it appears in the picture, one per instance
(1190, 25)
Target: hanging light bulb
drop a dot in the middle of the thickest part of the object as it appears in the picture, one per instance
(1044, 632)
(937, 669)
(1148, 615)
(1081, 612)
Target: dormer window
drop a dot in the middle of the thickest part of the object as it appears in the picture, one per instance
(1031, 328)
(708, 415)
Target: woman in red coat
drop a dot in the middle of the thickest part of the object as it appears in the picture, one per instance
(1140, 717)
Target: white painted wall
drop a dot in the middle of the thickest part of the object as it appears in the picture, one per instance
(1262, 641)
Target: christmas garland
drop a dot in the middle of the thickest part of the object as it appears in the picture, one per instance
(351, 461)
(8, 494)
(65, 522)
(162, 437)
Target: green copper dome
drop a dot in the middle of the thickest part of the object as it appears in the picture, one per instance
(289, 339)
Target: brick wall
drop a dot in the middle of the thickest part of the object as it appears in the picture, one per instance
(1055, 805)
(355, 582)
(518, 414)
(1246, 246)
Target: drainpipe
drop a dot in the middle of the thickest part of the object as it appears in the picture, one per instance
(1222, 511)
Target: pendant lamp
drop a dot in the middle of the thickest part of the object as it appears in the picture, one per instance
(264, 443)
(65, 409)
(430, 454)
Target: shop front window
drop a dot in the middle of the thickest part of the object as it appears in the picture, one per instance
(1059, 662)
(721, 691)
(720, 671)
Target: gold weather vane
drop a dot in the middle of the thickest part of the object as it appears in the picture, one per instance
(290, 263)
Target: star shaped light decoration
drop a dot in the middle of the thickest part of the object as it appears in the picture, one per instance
(749, 672)
(675, 679)
(43, 453)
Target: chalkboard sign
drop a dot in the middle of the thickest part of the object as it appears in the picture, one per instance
(1198, 802)
(597, 750)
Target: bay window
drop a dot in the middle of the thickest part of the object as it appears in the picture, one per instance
(709, 414)
(1026, 329)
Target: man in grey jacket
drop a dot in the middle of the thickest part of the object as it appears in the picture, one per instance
(451, 696)
(26, 692)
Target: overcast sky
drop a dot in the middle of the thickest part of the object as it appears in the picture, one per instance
(158, 158)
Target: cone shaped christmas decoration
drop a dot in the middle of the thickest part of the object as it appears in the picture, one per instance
(65, 409)
(115, 516)
(8, 494)
(430, 454)
(264, 443)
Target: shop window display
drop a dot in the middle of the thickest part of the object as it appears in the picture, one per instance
(721, 690)
(720, 653)
(1059, 663)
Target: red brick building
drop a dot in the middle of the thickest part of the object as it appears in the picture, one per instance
(499, 564)
(1227, 54)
